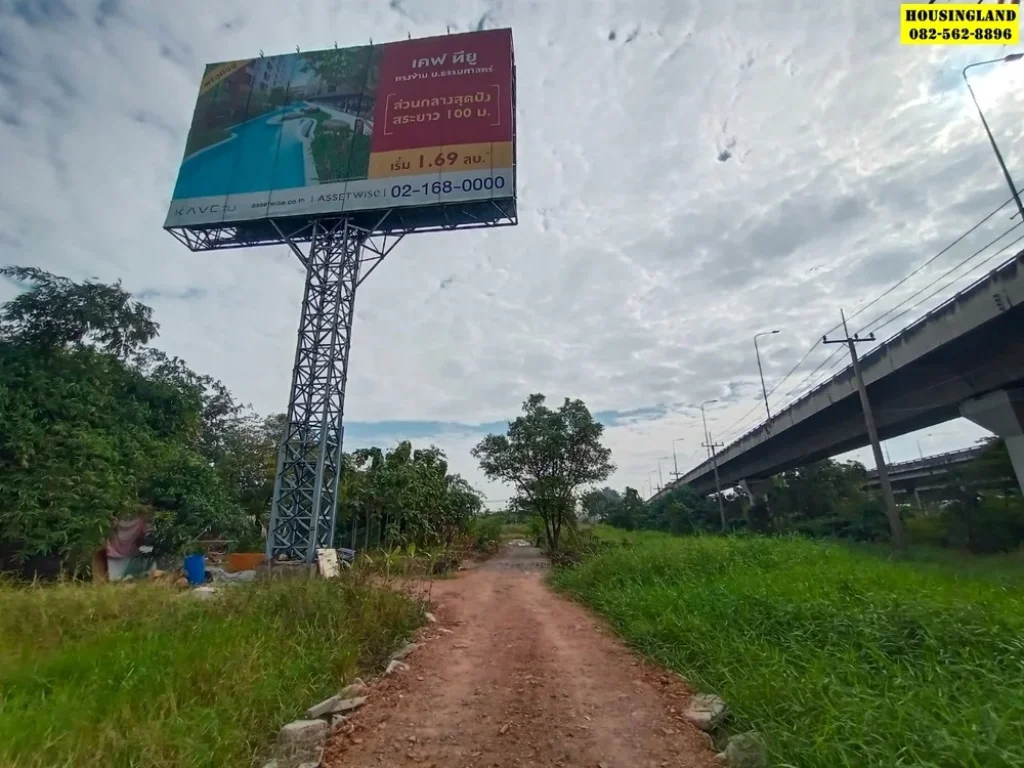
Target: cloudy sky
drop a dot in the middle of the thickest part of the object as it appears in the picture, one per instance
(690, 173)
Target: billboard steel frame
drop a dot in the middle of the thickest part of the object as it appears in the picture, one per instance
(485, 214)
(304, 507)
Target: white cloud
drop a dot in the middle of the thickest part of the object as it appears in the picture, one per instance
(642, 265)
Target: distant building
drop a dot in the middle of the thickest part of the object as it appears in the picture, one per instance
(271, 72)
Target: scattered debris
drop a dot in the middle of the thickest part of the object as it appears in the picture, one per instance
(395, 666)
(706, 711)
(335, 705)
(301, 742)
(746, 750)
(202, 593)
(431, 617)
(219, 575)
(503, 730)
(404, 651)
(519, 543)
(327, 563)
(356, 688)
(445, 631)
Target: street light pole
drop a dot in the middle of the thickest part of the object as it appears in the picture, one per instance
(675, 461)
(984, 122)
(760, 371)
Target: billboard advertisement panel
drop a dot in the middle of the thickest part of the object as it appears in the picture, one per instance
(411, 123)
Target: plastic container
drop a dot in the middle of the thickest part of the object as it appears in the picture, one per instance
(244, 561)
(195, 569)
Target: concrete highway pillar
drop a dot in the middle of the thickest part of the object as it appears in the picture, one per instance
(755, 489)
(1001, 412)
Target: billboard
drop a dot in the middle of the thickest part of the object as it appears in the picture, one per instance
(412, 123)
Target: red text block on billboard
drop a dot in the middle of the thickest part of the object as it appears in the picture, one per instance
(444, 104)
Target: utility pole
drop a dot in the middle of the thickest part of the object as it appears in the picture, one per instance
(757, 352)
(895, 524)
(711, 445)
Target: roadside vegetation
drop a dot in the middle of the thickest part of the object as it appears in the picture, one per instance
(96, 425)
(141, 675)
(980, 511)
(838, 657)
(547, 455)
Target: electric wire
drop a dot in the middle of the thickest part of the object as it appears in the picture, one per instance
(731, 432)
(876, 324)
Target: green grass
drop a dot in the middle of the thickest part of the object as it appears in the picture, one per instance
(1006, 569)
(142, 675)
(838, 657)
(515, 531)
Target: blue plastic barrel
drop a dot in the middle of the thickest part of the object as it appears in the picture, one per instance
(195, 569)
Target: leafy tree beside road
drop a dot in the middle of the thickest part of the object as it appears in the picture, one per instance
(547, 455)
(95, 426)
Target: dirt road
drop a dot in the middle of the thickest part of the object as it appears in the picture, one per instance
(526, 678)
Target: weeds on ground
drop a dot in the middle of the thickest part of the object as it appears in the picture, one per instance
(838, 657)
(144, 675)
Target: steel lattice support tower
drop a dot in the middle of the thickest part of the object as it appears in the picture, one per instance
(304, 507)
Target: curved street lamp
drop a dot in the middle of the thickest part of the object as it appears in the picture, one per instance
(760, 371)
(984, 122)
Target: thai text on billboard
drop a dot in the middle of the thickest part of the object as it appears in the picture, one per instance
(412, 123)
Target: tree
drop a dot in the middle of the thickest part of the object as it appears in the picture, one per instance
(351, 67)
(402, 497)
(684, 511)
(59, 313)
(547, 455)
(601, 504)
(94, 427)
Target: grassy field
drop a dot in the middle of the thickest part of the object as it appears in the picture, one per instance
(837, 656)
(141, 675)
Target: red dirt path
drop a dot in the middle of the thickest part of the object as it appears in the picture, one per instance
(526, 678)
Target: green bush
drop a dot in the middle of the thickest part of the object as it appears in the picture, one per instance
(837, 657)
(485, 532)
(989, 524)
(931, 530)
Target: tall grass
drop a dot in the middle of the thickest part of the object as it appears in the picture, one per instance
(141, 675)
(838, 657)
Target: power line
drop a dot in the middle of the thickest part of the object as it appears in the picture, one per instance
(874, 324)
(951, 282)
(730, 432)
(933, 258)
(945, 274)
